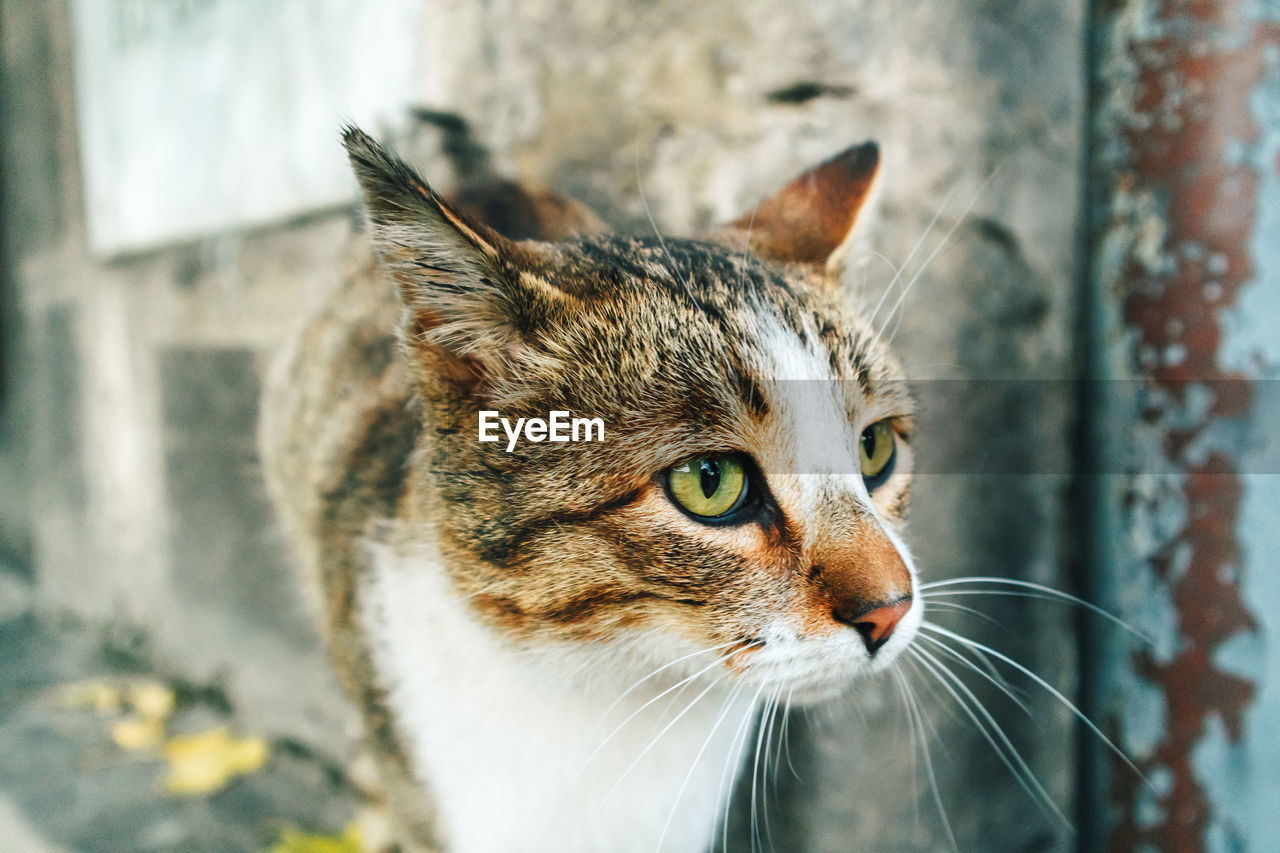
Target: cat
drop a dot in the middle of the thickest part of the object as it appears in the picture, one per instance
(562, 645)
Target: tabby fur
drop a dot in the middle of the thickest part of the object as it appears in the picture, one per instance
(494, 615)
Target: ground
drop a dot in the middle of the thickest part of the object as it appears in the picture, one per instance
(105, 748)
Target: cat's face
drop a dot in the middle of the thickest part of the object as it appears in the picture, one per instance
(749, 493)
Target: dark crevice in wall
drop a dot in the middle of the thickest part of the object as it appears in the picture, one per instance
(40, 407)
(8, 323)
(1085, 549)
(802, 93)
(15, 539)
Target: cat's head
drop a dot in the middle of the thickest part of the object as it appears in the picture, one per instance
(750, 490)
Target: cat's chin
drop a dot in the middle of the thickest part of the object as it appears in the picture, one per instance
(819, 690)
(815, 676)
(817, 694)
(813, 685)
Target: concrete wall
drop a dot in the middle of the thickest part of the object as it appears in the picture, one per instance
(126, 454)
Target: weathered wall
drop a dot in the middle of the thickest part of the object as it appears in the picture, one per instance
(128, 459)
(1186, 281)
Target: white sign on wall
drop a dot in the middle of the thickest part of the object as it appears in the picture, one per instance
(198, 116)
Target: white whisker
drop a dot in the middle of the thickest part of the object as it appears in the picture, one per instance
(731, 765)
(916, 715)
(678, 685)
(992, 675)
(1004, 747)
(989, 669)
(755, 772)
(897, 270)
(924, 235)
(911, 739)
(760, 772)
(746, 248)
(1057, 694)
(659, 670)
(687, 708)
(930, 604)
(781, 717)
(675, 269)
(724, 712)
(946, 238)
(861, 288)
(1044, 591)
(786, 735)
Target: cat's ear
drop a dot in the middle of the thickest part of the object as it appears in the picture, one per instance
(462, 282)
(813, 219)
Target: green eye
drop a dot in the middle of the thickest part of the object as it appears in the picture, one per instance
(708, 486)
(875, 452)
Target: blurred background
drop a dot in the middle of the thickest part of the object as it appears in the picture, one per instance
(1085, 199)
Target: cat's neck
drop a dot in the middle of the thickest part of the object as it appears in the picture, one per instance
(536, 752)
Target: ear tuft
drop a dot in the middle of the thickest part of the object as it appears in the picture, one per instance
(811, 220)
(455, 275)
(395, 194)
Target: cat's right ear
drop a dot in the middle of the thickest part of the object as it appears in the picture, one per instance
(461, 281)
(814, 219)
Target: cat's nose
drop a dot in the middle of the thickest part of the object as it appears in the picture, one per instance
(862, 580)
(877, 624)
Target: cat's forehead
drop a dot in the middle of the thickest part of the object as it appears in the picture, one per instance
(658, 268)
(717, 347)
(687, 293)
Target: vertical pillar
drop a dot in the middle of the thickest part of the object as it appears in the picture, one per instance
(1184, 281)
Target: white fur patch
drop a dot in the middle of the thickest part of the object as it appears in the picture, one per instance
(814, 454)
(505, 738)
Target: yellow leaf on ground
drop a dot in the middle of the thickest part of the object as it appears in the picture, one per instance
(207, 762)
(152, 699)
(294, 841)
(137, 733)
(98, 695)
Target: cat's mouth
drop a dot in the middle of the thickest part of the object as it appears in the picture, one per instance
(814, 669)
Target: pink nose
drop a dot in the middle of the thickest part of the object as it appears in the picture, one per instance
(876, 626)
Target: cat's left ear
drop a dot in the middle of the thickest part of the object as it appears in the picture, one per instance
(813, 219)
(469, 295)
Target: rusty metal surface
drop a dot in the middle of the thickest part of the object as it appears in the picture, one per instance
(1181, 156)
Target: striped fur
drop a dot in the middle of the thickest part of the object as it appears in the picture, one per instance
(486, 609)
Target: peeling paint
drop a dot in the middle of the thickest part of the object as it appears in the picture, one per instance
(1182, 124)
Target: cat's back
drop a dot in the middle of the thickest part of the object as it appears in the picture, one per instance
(334, 430)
